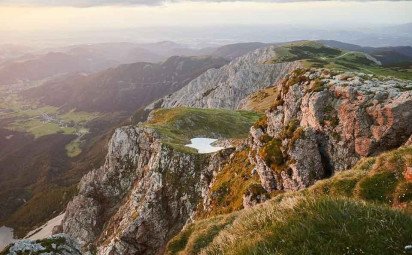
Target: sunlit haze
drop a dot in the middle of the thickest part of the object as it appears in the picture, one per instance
(17, 19)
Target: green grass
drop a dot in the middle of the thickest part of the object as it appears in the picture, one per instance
(197, 236)
(178, 125)
(26, 116)
(305, 50)
(316, 226)
(377, 180)
(293, 224)
(378, 187)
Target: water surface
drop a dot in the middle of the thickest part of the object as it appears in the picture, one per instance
(204, 145)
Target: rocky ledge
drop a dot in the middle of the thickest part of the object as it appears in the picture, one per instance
(57, 245)
(322, 122)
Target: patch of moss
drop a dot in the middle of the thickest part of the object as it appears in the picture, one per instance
(272, 154)
(289, 129)
(316, 85)
(378, 187)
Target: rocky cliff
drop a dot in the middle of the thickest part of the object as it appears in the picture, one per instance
(322, 122)
(227, 86)
(151, 183)
(141, 197)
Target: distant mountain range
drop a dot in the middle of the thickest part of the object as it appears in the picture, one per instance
(96, 57)
(124, 88)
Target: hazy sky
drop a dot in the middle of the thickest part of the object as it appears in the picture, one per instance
(30, 15)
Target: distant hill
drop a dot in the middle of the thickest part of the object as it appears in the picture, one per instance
(386, 55)
(124, 88)
(11, 51)
(79, 58)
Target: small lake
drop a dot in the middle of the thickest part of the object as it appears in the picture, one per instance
(204, 145)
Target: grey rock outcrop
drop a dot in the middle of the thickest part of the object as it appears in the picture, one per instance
(55, 245)
(143, 195)
(323, 122)
(227, 86)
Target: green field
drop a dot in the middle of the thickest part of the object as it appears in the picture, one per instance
(178, 125)
(38, 128)
(26, 116)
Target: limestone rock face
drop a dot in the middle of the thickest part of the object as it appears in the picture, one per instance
(227, 86)
(144, 194)
(323, 122)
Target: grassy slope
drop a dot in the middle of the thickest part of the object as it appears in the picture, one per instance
(178, 125)
(377, 180)
(315, 54)
(331, 217)
(261, 100)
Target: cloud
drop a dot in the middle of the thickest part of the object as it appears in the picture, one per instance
(89, 3)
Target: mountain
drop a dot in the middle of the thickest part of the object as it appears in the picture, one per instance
(124, 88)
(85, 58)
(227, 86)
(92, 58)
(322, 149)
(48, 65)
(321, 123)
